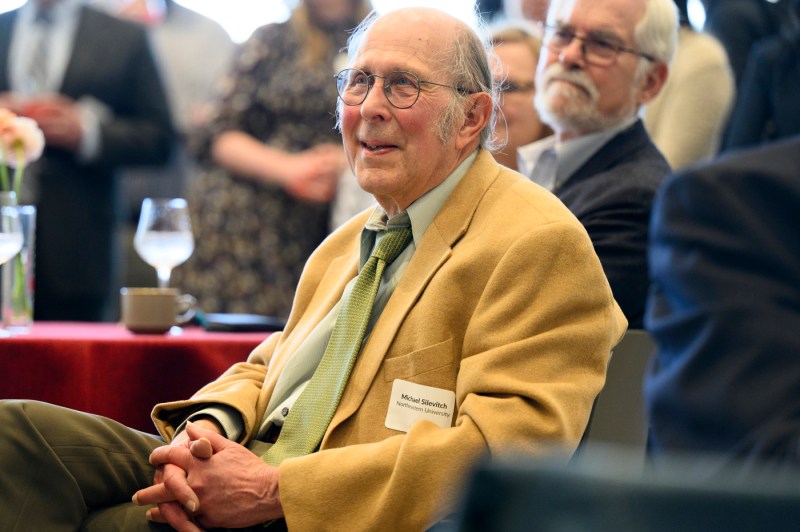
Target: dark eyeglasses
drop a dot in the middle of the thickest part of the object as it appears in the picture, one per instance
(401, 87)
(598, 51)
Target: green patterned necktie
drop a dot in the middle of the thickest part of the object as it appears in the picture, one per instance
(311, 414)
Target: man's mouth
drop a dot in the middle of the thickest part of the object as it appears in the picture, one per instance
(377, 147)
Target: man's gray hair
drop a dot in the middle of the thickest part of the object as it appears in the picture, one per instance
(657, 33)
(467, 66)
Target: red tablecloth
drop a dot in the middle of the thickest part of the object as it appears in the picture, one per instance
(105, 369)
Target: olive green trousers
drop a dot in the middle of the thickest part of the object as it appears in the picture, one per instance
(64, 470)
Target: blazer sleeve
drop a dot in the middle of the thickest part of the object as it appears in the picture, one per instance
(238, 388)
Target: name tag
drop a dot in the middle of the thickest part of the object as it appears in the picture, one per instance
(412, 402)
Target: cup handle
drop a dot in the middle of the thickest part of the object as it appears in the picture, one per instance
(187, 308)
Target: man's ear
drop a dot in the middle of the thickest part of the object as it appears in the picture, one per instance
(653, 81)
(479, 113)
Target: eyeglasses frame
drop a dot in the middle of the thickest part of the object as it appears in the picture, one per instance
(618, 48)
(387, 90)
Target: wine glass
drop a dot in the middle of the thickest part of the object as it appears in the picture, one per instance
(10, 233)
(164, 235)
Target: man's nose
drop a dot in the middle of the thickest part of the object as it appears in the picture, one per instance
(573, 53)
(376, 102)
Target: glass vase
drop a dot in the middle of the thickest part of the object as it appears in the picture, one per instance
(17, 278)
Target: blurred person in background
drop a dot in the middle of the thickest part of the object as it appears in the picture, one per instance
(193, 54)
(531, 12)
(738, 24)
(768, 107)
(91, 82)
(518, 123)
(687, 118)
(271, 159)
(602, 60)
(724, 310)
(489, 9)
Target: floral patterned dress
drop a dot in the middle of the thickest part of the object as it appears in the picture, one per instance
(253, 239)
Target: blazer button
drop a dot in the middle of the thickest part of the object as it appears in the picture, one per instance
(285, 411)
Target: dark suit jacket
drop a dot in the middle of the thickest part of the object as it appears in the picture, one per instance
(767, 107)
(738, 24)
(725, 307)
(611, 194)
(111, 62)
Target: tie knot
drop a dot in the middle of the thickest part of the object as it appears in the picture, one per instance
(392, 243)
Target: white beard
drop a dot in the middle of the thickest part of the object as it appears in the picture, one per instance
(573, 106)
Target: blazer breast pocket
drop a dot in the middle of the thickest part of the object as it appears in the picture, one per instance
(431, 358)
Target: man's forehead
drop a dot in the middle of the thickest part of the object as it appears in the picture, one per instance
(397, 46)
(618, 17)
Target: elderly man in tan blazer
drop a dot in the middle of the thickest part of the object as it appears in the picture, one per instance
(490, 335)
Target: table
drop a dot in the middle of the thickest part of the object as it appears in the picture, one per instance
(105, 369)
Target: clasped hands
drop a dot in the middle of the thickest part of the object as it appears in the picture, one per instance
(58, 117)
(205, 480)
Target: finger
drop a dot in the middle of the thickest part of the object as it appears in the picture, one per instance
(217, 441)
(177, 484)
(171, 454)
(201, 448)
(175, 516)
(154, 494)
(158, 477)
(174, 488)
(155, 515)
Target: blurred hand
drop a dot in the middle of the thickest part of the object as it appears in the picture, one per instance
(313, 174)
(233, 486)
(59, 119)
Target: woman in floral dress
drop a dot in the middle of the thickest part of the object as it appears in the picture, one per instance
(271, 157)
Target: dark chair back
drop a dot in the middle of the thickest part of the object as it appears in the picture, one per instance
(599, 495)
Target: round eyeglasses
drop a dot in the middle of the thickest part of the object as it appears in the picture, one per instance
(597, 50)
(400, 87)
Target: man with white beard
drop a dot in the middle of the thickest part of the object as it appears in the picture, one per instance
(601, 61)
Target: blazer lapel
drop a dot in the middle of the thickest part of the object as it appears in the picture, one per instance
(618, 149)
(435, 249)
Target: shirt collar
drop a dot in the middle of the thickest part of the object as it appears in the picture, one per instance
(571, 154)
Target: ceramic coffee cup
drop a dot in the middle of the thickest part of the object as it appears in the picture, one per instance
(155, 310)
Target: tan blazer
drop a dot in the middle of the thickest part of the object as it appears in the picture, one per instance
(504, 302)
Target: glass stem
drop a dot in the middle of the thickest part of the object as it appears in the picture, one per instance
(163, 277)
